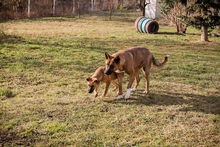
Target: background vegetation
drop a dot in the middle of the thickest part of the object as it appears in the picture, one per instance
(18, 9)
(43, 91)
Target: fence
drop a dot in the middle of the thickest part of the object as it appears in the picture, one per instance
(19, 9)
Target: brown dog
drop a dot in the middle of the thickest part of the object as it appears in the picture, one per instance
(99, 77)
(131, 61)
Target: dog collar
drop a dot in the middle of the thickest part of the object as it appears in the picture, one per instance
(118, 71)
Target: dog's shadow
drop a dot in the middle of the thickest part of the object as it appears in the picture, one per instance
(191, 102)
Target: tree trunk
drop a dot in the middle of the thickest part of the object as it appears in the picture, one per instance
(63, 5)
(78, 9)
(92, 2)
(218, 30)
(177, 28)
(16, 10)
(29, 5)
(143, 12)
(204, 34)
(54, 7)
(74, 5)
(120, 3)
(143, 7)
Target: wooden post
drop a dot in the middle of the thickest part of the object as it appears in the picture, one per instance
(16, 10)
(92, 5)
(74, 7)
(78, 10)
(110, 9)
(63, 5)
(29, 4)
(54, 5)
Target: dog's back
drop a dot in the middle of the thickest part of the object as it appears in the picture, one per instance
(99, 73)
(141, 56)
(135, 57)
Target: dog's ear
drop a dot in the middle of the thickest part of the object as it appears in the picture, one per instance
(117, 59)
(95, 80)
(88, 79)
(106, 55)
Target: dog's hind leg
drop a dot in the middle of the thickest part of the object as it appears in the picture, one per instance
(115, 84)
(137, 78)
(106, 89)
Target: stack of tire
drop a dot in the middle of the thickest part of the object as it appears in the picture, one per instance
(146, 25)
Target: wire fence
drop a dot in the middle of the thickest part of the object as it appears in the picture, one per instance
(20, 9)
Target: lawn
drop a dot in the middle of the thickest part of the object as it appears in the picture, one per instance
(44, 101)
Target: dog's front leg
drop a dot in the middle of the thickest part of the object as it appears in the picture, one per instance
(120, 78)
(95, 92)
(131, 80)
(96, 89)
(106, 89)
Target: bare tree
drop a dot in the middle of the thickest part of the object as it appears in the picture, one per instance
(142, 4)
(120, 4)
(170, 10)
(16, 9)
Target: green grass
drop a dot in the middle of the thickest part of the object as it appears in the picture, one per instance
(44, 101)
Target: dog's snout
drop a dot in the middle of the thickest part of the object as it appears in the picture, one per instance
(90, 90)
(109, 70)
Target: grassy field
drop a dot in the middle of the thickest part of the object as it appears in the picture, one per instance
(44, 101)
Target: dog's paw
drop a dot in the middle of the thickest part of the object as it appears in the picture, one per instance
(126, 98)
(127, 95)
(101, 96)
(133, 89)
(146, 92)
(119, 96)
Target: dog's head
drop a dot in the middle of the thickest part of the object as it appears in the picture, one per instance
(111, 63)
(92, 84)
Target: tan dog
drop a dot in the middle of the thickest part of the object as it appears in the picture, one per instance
(131, 61)
(99, 77)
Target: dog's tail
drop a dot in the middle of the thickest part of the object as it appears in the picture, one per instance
(165, 59)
